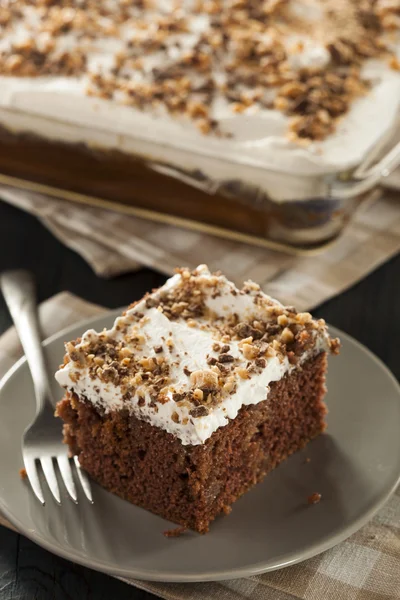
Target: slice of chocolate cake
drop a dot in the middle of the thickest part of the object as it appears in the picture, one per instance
(194, 395)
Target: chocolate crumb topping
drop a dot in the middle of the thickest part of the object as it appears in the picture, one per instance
(225, 358)
(244, 330)
(175, 417)
(199, 411)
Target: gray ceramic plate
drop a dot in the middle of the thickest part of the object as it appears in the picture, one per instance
(355, 466)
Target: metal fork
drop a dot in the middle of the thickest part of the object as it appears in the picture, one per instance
(42, 439)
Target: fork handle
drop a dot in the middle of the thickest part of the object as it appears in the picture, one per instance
(19, 292)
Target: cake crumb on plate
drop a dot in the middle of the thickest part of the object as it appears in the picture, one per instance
(176, 532)
(314, 498)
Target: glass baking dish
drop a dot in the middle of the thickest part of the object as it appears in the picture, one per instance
(234, 199)
(260, 123)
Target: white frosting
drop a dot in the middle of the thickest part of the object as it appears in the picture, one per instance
(191, 345)
(59, 109)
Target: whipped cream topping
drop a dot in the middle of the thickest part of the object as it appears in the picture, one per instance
(187, 357)
(57, 107)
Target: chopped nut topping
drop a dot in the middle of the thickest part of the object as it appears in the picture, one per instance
(276, 345)
(243, 55)
(148, 363)
(204, 379)
(125, 353)
(243, 373)
(283, 320)
(250, 351)
(304, 318)
(198, 394)
(287, 336)
(251, 286)
(230, 385)
(130, 361)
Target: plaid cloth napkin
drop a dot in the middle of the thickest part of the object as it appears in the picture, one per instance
(364, 567)
(112, 243)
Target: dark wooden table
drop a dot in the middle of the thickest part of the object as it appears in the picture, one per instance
(370, 311)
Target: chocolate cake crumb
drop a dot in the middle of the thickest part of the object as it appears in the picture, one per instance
(176, 532)
(314, 498)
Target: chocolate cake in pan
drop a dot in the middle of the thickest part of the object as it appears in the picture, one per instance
(243, 116)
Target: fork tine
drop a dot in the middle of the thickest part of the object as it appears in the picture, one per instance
(67, 477)
(83, 478)
(31, 471)
(50, 475)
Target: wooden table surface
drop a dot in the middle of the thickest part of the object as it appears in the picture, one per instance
(370, 311)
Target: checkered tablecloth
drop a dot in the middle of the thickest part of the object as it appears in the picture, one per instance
(364, 567)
